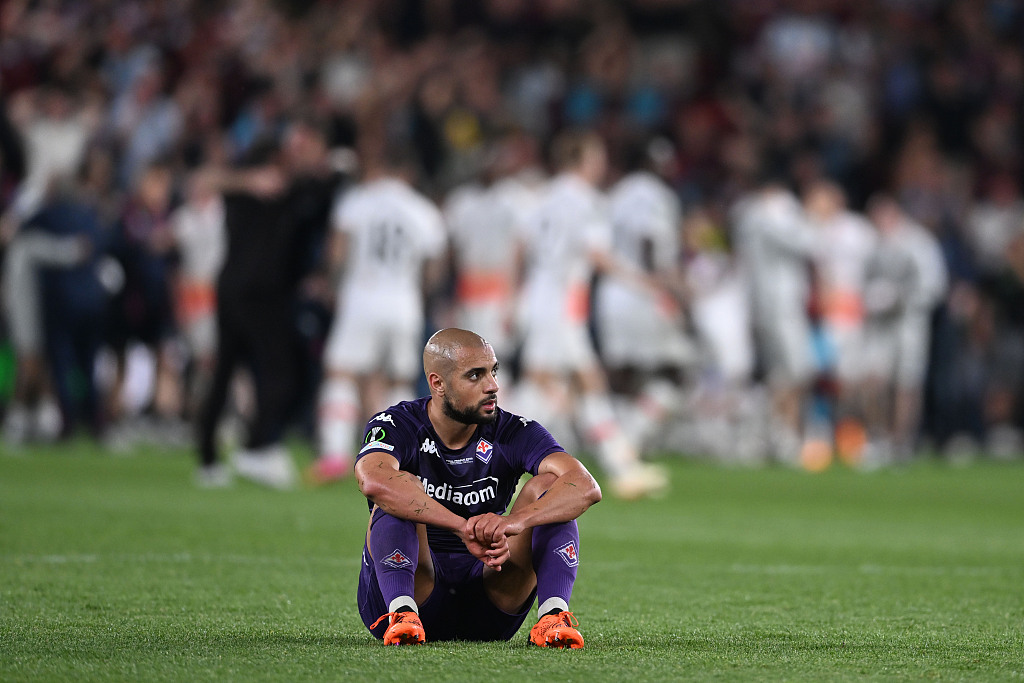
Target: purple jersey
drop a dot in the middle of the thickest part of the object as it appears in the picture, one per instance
(479, 478)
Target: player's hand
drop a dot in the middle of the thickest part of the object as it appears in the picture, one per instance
(265, 182)
(491, 528)
(491, 554)
(498, 554)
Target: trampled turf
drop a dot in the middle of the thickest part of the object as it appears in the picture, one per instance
(118, 568)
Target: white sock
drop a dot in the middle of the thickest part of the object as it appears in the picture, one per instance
(602, 430)
(657, 400)
(403, 601)
(338, 412)
(550, 604)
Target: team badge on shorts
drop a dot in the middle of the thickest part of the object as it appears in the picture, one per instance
(397, 559)
(568, 553)
(484, 451)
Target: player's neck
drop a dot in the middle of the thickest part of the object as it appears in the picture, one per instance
(453, 434)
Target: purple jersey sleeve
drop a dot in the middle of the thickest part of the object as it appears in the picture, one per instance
(532, 443)
(392, 433)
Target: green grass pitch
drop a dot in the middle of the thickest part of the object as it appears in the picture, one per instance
(117, 568)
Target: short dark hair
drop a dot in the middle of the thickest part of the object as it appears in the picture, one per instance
(569, 145)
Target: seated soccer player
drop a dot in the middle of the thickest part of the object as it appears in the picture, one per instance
(441, 560)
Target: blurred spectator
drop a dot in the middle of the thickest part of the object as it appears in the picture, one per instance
(994, 221)
(74, 302)
(145, 122)
(56, 131)
(32, 414)
(143, 311)
(1004, 400)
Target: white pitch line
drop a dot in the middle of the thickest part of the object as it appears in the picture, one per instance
(175, 558)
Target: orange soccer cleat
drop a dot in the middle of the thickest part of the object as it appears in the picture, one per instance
(557, 630)
(405, 628)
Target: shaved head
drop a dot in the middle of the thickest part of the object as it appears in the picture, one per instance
(444, 347)
(461, 370)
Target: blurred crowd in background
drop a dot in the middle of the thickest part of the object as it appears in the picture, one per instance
(808, 129)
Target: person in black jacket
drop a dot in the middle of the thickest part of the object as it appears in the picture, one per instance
(276, 213)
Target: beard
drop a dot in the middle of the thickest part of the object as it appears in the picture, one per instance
(467, 416)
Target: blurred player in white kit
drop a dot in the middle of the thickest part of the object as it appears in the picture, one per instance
(390, 242)
(642, 341)
(906, 280)
(565, 241)
(846, 240)
(776, 245)
(484, 220)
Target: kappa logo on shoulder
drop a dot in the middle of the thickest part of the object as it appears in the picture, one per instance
(568, 553)
(397, 559)
(484, 451)
(383, 417)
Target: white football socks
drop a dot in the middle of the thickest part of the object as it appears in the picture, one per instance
(403, 601)
(550, 604)
(338, 413)
(602, 430)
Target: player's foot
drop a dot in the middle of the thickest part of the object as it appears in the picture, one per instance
(215, 476)
(327, 470)
(270, 466)
(557, 630)
(405, 628)
(641, 480)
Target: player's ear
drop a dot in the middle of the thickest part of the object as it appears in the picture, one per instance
(437, 384)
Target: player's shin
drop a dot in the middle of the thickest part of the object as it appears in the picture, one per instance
(338, 414)
(394, 546)
(604, 434)
(555, 561)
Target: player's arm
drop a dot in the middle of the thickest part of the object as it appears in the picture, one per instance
(572, 492)
(399, 494)
(337, 255)
(610, 265)
(262, 181)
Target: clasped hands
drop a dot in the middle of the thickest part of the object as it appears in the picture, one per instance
(486, 537)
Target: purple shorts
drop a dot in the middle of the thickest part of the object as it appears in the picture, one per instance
(457, 609)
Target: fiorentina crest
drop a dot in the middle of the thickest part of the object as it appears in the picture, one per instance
(484, 451)
(568, 553)
(397, 560)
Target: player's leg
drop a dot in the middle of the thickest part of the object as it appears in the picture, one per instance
(911, 368)
(630, 477)
(544, 558)
(403, 572)
(401, 362)
(337, 420)
(229, 353)
(347, 358)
